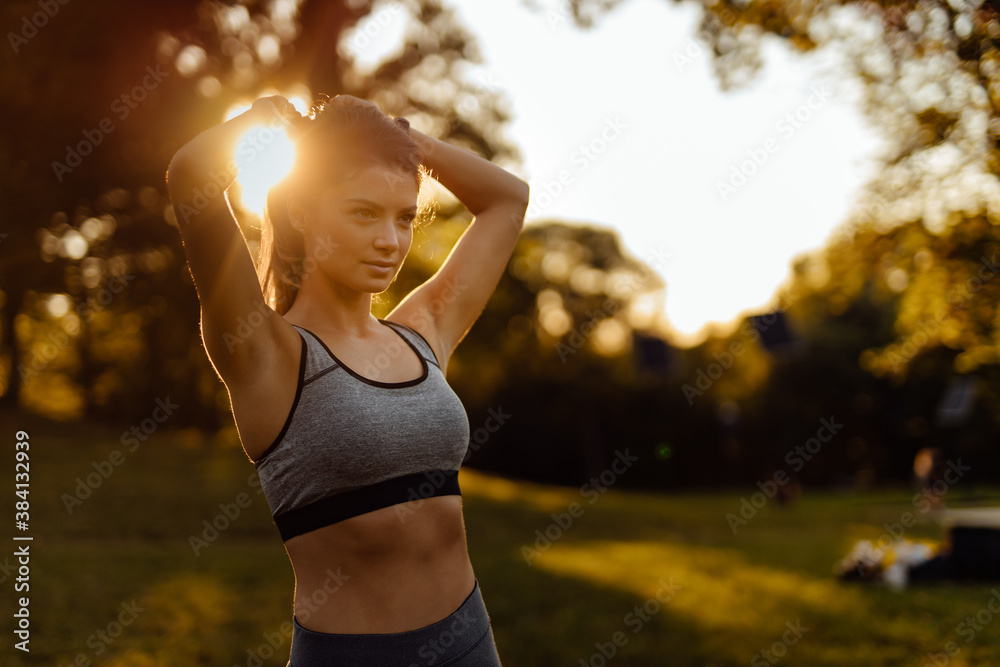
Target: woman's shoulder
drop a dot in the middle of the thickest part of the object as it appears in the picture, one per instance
(423, 327)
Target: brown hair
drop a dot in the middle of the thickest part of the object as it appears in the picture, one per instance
(334, 144)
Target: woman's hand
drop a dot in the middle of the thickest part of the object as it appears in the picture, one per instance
(350, 101)
(276, 110)
(276, 102)
(210, 154)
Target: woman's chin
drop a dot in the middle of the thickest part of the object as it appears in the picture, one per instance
(376, 284)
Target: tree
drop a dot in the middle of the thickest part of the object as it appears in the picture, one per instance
(553, 351)
(82, 191)
(931, 76)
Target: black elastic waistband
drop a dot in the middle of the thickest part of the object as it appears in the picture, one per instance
(323, 512)
(456, 639)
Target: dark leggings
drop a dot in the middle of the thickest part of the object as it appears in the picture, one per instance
(462, 639)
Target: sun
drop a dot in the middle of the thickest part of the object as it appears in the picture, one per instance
(264, 155)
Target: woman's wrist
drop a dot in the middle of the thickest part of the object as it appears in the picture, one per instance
(214, 148)
(426, 144)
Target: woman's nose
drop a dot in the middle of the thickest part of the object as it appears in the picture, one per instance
(386, 237)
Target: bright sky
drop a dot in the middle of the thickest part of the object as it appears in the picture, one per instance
(638, 89)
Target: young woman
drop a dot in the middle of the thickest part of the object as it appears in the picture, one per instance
(355, 433)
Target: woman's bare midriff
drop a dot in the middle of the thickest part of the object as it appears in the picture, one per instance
(395, 569)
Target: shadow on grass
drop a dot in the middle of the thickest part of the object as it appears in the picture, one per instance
(128, 546)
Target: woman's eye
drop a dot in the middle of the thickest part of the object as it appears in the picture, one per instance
(365, 212)
(408, 219)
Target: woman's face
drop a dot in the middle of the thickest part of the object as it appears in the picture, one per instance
(367, 219)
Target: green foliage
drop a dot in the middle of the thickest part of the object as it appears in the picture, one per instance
(91, 253)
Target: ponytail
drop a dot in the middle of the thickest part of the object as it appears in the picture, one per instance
(281, 253)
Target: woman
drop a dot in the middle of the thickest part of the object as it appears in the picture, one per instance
(354, 431)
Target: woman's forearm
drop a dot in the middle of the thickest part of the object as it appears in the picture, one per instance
(211, 153)
(478, 183)
(211, 156)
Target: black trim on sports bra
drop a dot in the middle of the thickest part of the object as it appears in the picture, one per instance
(295, 402)
(376, 383)
(436, 361)
(347, 504)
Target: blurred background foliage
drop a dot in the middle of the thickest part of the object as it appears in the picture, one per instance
(891, 330)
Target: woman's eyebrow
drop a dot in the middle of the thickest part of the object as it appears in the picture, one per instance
(362, 200)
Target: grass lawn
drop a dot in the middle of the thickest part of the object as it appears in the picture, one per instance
(660, 580)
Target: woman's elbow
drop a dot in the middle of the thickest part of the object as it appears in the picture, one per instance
(178, 164)
(517, 202)
(523, 194)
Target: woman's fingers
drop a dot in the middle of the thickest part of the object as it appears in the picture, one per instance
(275, 103)
(350, 100)
(276, 107)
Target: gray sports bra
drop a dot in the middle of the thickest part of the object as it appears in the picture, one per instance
(352, 444)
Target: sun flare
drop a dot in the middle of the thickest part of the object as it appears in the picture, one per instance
(264, 156)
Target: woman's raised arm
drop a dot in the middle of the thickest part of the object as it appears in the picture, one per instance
(452, 299)
(478, 183)
(220, 263)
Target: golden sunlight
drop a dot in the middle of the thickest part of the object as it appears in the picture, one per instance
(264, 155)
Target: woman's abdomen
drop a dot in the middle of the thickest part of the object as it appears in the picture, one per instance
(395, 569)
